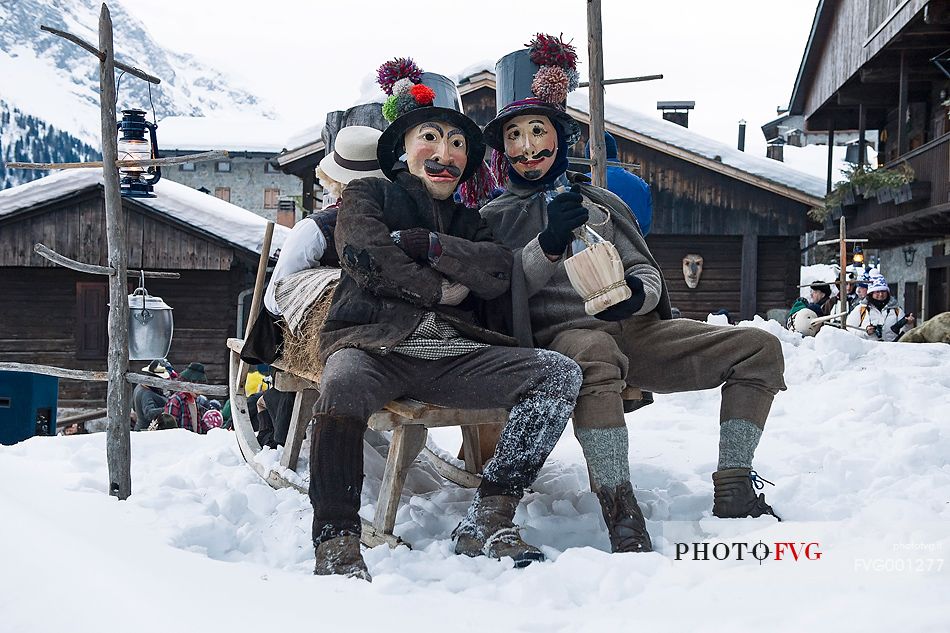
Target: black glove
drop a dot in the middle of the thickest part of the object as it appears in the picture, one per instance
(565, 213)
(628, 307)
(413, 242)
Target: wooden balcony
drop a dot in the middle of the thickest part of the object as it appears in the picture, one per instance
(920, 210)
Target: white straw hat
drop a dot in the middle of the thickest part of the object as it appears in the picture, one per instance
(353, 155)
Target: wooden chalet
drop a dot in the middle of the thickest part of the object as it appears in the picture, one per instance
(742, 214)
(884, 65)
(55, 316)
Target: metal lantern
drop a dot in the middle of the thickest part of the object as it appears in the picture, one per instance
(857, 255)
(150, 325)
(137, 182)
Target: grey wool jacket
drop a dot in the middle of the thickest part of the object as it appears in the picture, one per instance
(544, 302)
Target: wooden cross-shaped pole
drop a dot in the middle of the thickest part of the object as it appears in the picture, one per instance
(598, 150)
(595, 84)
(118, 441)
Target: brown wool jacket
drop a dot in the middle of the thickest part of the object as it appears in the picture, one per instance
(383, 294)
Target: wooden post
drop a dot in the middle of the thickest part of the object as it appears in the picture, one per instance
(258, 295)
(748, 292)
(862, 125)
(842, 289)
(309, 179)
(118, 441)
(598, 150)
(902, 140)
(831, 154)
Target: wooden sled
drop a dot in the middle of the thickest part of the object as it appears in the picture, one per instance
(409, 421)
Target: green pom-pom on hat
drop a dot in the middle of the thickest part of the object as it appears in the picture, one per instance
(390, 111)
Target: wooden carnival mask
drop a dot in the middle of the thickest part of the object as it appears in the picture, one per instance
(692, 269)
(436, 152)
(530, 144)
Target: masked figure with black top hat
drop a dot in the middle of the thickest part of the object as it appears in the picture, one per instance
(633, 342)
(416, 266)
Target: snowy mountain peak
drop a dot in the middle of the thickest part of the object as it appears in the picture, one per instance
(58, 82)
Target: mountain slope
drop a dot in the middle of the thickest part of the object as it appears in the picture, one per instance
(57, 83)
(24, 137)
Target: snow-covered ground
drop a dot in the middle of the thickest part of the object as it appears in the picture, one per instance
(857, 446)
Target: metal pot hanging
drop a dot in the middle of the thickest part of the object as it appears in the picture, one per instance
(150, 325)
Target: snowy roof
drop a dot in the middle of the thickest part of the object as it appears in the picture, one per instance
(682, 142)
(232, 133)
(307, 136)
(813, 159)
(201, 211)
(486, 65)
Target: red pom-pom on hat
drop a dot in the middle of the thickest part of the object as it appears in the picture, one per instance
(423, 94)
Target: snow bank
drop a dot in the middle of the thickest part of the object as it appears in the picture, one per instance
(857, 447)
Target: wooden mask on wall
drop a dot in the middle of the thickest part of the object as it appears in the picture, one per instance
(692, 269)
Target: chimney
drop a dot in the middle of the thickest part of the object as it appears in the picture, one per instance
(741, 135)
(286, 213)
(676, 111)
(776, 149)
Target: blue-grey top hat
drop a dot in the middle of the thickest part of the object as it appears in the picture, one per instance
(416, 97)
(525, 86)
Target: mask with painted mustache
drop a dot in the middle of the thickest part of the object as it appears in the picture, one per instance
(544, 153)
(531, 174)
(436, 168)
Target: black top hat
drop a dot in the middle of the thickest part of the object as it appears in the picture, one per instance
(417, 97)
(535, 80)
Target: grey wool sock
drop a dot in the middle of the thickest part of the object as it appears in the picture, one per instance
(737, 441)
(606, 452)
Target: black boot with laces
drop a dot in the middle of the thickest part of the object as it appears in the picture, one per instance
(625, 523)
(735, 496)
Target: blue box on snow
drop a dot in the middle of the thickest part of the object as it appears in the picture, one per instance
(27, 405)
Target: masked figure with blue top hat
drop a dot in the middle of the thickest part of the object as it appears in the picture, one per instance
(634, 342)
(404, 322)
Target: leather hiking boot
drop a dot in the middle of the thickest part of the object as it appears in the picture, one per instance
(341, 556)
(735, 496)
(488, 530)
(625, 523)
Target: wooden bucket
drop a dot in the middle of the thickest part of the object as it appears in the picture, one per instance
(598, 277)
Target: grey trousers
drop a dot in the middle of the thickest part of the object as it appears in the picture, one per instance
(672, 356)
(538, 386)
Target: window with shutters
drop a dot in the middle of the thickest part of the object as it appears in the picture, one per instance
(271, 197)
(92, 340)
(223, 192)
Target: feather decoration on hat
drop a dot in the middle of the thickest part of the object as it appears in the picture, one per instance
(557, 74)
(392, 71)
(547, 50)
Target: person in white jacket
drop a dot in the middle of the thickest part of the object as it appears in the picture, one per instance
(354, 156)
(878, 317)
